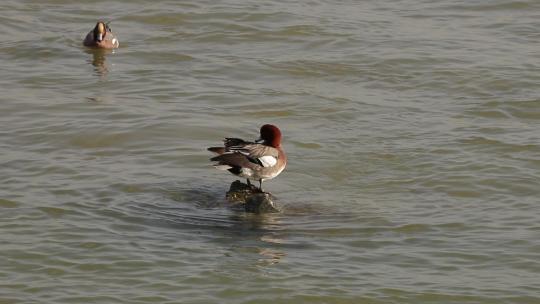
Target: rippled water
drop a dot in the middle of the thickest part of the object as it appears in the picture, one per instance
(412, 131)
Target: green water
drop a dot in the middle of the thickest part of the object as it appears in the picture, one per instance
(412, 130)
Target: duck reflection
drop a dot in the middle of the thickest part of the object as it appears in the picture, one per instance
(99, 61)
(259, 235)
(270, 257)
(265, 229)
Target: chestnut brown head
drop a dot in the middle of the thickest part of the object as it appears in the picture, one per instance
(271, 135)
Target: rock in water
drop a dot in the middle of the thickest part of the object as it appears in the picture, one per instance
(260, 203)
(251, 198)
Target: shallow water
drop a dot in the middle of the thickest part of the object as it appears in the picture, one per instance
(412, 131)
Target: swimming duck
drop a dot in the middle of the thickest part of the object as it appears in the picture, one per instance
(260, 160)
(101, 37)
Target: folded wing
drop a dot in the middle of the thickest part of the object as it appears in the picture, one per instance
(249, 155)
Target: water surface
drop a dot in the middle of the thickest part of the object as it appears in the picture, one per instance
(412, 131)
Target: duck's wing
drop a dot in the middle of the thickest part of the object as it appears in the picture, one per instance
(235, 142)
(253, 156)
(234, 159)
(262, 155)
(217, 150)
(227, 143)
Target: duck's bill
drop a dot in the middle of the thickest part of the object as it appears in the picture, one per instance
(99, 37)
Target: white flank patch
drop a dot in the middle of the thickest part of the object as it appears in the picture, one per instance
(114, 41)
(246, 172)
(268, 161)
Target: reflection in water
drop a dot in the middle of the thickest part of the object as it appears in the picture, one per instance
(266, 229)
(99, 61)
(270, 257)
(245, 232)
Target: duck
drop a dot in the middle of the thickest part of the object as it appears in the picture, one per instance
(101, 37)
(260, 160)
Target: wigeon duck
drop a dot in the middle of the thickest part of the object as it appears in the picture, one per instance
(260, 160)
(101, 37)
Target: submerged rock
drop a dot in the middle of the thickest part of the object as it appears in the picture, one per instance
(250, 198)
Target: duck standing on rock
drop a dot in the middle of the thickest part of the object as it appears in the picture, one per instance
(260, 160)
(101, 37)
